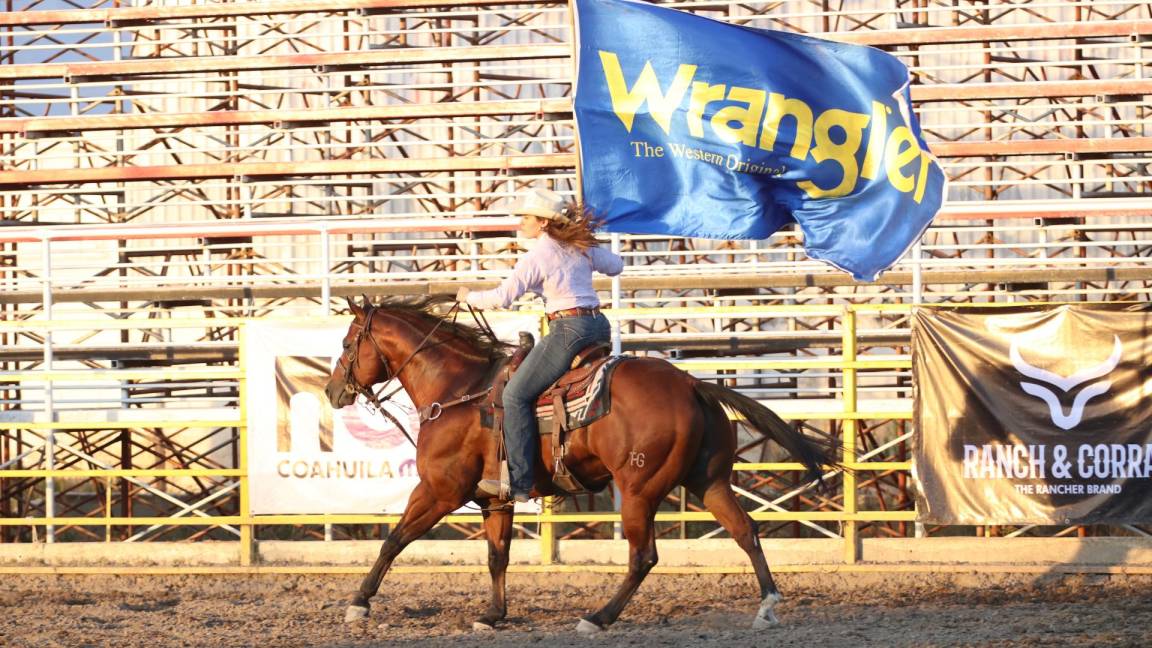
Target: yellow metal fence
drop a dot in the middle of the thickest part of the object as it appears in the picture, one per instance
(849, 364)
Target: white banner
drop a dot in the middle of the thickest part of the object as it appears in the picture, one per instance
(305, 457)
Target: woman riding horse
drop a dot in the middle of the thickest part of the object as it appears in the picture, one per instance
(559, 268)
(665, 428)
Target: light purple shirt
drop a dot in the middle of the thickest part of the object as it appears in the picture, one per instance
(561, 274)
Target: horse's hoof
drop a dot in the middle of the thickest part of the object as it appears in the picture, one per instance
(480, 626)
(355, 613)
(766, 615)
(587, 628)
(763, 623)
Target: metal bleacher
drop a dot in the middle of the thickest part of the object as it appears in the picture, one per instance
(167, 170)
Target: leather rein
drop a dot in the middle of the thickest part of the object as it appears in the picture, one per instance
(432, 411)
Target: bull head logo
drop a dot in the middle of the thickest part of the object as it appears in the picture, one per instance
(1066, 385)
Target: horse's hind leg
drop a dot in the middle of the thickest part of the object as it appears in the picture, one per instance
(421, 514)
(637, 516)
(498, 527)
(721, 501)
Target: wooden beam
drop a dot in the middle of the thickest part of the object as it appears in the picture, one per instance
(876, 38)
(43, 177)
(169, 354)
(256, 170)
(1088, 210)
(1077, 146)
(130, 15)
(263, 227)
(41, 126)
(124, 70)
(989, 33)
(1029, 90)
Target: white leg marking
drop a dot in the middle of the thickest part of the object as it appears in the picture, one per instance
(480, 626)
(355, 613)
(766, 617)
(587, 628)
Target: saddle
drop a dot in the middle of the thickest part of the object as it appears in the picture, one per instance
(575, 400)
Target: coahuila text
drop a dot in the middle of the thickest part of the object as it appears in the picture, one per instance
(335, 469)
(754, 117)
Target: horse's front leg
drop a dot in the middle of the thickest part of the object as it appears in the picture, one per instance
(424, 510)
(498, 528)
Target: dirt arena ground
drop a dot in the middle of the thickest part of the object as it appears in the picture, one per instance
(826, 611)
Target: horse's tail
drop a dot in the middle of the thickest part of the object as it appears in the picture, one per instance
(809, 452)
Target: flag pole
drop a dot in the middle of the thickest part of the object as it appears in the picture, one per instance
(572, 95)
(617, 528)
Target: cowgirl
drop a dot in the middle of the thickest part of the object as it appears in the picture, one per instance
(558, 268)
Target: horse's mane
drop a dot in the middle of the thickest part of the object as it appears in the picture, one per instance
(427, 308)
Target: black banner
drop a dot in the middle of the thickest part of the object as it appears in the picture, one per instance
(1034, 415)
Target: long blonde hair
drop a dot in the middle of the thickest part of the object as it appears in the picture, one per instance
(575, 226)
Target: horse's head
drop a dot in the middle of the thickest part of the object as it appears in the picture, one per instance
(408, 339)
(362, 364)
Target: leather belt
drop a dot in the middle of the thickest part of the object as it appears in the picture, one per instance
(579, 311)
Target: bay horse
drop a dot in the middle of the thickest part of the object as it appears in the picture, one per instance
(675, 420)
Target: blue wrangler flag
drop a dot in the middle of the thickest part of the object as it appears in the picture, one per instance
(693, 127)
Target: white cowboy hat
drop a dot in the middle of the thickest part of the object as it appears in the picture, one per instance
(540, 202)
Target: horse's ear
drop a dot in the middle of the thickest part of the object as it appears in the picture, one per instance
(367, 302)
(352, 308)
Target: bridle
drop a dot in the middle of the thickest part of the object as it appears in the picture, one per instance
(352, 386)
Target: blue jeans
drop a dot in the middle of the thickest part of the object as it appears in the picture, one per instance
(547, 361)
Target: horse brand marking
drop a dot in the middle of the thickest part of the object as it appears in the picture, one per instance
(636, 459)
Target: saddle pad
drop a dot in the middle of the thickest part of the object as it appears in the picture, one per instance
(581, 408)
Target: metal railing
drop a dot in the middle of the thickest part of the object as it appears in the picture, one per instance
(51, 457)
(310, 259)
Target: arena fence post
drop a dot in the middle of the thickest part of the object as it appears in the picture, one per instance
(107, 508)
(850, 424)
(49, 390)
(547, 533)
(247, 537)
